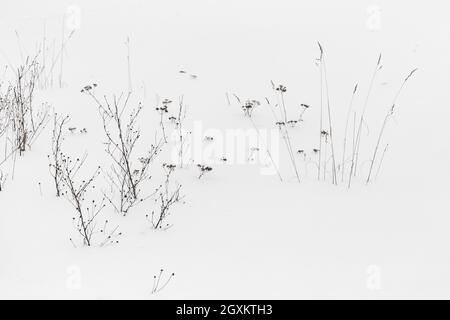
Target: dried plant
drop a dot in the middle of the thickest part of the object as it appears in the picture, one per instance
(304, 108)
(203, 169)
(75, 190)
(56, 157)
(5, 108)
(292, 123)
(5, 102)
(357, 145)
(282, 126)
(269, 154)
(179, 120)
(51, 53)
(128, 171)
(3, 177)
(345, 132)
(325, 136)
(158, 283)
(323, 70)
(385, 121)
(381, 161)
(27, 123)
(110, 235)
(249, 106)
(167, 197)
(282, 89)
(319, 60)
(163, 110)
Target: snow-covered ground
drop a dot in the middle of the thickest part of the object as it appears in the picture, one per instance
(241, 233)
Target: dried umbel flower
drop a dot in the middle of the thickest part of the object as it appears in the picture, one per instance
(88, 87)
(162, 109)
(249, 106)
(203, 169)
(281, 88)
(144, 160)
(292, 123)
(169, 166)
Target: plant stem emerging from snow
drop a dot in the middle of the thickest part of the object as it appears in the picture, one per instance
(323, 66)
(345, 133)
(358, 134)
(321, 111)
(385, 121)
(55, 165)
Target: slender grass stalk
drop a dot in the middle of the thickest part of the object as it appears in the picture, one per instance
(321, 112)
(180, 119)
(325, 160)
(381, 161)
(53, 59)
(358, 134)
(353, 145)
(378, 143)
(59, 55)
(385, 121)
(323, 77)
(279, 104)
(276, 120)
(345, 132)
(288, 140)
(330, 125)
(159, 278)
(284, 107)
(354, 131)
(358, 140)
(267, 150)
(291, 152)
(167, 281)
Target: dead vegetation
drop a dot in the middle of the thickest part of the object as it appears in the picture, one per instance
(129, 170)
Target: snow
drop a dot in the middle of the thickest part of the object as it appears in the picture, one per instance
(241, 234)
